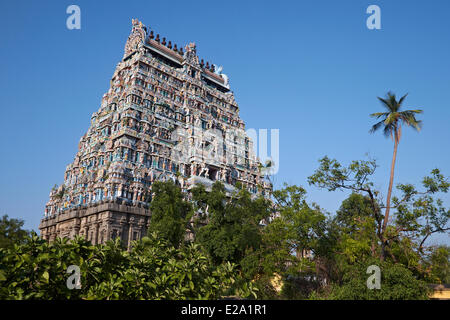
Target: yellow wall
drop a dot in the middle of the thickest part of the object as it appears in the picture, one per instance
(441, 294)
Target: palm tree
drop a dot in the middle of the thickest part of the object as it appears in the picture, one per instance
(391, 123)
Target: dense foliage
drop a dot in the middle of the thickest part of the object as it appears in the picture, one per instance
(233, 226)
(153, 269)
(170, 212)
(398, 283)
(239, 245)
(11, 232)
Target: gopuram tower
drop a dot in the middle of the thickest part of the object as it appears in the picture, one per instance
(168, 115)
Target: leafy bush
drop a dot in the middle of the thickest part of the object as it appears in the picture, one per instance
(397, 283)
(11, 231)
(153, 269)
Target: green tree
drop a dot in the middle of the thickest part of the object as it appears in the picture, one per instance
(353, 210)
(346, 238)
(391, 122)
(356, 177)
(171, 213)
(301, 222)
(397, 283)
(291, 241)
(36, 269)
(152, 269)
(420, 212)
(11, 231)
(418, 215)
(438, 261)
(233, 223)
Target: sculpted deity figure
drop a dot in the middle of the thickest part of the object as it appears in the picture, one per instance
(182, 169)
(223, 174)
(215, 144)
(191, 54)
(151, 175)
(201, 169)
(181, 181)
(144, 147)
(258, 179)
(197, 121)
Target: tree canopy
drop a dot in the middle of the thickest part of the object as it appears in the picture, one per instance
(11, 231)
(252, 247)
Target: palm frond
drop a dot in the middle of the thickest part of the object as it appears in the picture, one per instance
(414, 123)
(379, 114)
(418, 125)
(385, 103)
(393, 119)
(393, 102)
(409, 118)
(389, 129)
(376, 126)
(401, 99)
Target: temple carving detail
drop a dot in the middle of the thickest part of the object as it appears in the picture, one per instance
(168, 115)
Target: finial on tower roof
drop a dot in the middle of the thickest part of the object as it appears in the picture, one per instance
(163, 41)
(136, 37)
(136, 22)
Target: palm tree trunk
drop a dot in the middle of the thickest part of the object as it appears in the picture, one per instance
(391, 181)
(388, 202)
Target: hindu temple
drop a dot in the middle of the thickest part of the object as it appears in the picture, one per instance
(168, 115)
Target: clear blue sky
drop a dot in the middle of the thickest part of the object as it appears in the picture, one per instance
(309, 68)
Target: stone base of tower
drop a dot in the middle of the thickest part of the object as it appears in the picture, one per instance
(98, 223)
